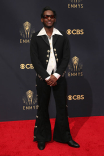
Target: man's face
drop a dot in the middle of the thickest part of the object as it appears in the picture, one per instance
(48, 22)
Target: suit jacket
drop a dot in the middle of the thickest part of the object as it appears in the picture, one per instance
(40, 53)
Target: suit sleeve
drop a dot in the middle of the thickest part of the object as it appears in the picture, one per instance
(65, 59)
(34, 58)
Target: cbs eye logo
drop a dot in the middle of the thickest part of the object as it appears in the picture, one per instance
(26, 66)
(76, 97)
(75, 32)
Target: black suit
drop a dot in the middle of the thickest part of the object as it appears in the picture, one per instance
(40, 53)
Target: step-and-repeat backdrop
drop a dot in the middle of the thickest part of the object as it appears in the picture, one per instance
(83, 23)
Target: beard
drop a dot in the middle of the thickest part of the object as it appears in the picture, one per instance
(48, 26)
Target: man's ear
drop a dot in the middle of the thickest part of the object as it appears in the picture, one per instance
(42, 20)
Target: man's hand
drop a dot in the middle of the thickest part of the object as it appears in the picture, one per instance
(54, 84)
(52, 81)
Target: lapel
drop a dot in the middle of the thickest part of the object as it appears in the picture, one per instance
(55, 37)
(44, 37)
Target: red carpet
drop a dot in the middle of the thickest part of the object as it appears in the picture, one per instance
(16, 138)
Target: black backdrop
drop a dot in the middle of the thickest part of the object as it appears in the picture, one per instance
(83, 22)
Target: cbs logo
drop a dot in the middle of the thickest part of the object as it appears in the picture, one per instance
(75, 32)
(76, 97)
(26, 66)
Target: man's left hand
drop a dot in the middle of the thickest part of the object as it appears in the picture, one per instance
(51, 80)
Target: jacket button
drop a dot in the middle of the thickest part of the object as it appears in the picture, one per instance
(48, 51)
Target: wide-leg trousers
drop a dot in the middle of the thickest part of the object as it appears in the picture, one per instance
(42, 129)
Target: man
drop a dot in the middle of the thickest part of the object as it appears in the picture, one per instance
(49, 51)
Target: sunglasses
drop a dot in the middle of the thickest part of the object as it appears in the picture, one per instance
(46, 16)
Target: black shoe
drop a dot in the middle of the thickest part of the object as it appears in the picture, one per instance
(41, 145)
(72, 143)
